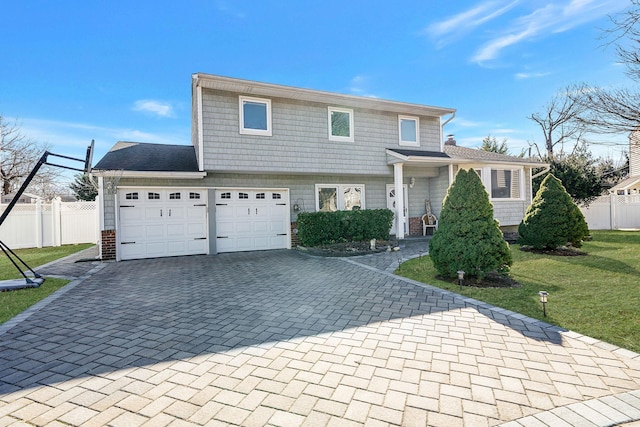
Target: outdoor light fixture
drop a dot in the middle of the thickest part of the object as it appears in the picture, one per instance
(543, 300)
(460, 278)
(412, 182)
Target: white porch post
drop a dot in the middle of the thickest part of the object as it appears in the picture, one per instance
(399, 199)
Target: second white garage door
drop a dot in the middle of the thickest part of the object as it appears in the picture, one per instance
(248, 220)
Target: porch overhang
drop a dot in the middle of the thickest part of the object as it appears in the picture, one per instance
(455, 156)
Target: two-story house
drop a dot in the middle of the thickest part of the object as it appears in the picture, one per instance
(262, 153)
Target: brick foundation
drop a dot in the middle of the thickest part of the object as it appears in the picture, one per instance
(415, 226)
(108, 244)
(295, 241)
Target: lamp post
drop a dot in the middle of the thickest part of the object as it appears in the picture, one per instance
(543, 300)
(460, 278)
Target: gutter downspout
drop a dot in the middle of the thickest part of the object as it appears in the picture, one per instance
(453, 115)
(546, 169)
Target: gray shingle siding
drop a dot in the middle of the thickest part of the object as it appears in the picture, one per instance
(300, 141)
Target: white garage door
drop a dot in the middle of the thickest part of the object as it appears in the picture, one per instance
(158, 222)
(248, 220)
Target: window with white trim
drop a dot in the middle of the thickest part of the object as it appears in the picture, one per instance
(505, 183)
(409, 130)
(340, 124)
(255, 116)
(339, 197)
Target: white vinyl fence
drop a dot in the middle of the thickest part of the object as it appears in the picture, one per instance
(613, 212)
(50, 224)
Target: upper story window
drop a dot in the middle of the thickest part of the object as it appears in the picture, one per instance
(255, 116)
(409, 130)
(340, 124)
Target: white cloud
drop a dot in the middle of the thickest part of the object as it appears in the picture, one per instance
(553, 18)
(515, 22)
(159, 108)
(465, 22)
(359, 86)
(524, 76)
(72, 138)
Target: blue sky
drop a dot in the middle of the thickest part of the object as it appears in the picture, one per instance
(73, 71)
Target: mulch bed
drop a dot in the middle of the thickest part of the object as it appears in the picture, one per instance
(490, 280)
(347, 249)
(562, 251)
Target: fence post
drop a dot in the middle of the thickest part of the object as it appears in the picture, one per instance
(612, 206)
(56, 221)
(38, 217)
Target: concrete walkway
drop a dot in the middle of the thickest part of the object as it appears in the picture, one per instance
(282, 338)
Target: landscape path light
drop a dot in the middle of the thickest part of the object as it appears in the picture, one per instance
(543, 300)
(460, 278)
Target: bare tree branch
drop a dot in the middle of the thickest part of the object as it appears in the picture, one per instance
(560, 122)
(18, 156)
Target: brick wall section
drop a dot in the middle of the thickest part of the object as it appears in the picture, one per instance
(108, 245)
(415, 226)
(295, 241)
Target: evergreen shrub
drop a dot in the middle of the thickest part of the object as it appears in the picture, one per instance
(553, 219)
(468, 237)
(321, 228)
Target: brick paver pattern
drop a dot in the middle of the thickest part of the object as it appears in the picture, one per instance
(285, 339)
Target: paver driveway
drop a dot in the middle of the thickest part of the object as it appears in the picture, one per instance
(281, 338)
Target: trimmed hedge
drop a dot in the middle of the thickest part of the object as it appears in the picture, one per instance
(319, 228)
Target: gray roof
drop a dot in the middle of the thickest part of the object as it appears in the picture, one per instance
(464, 153)
(420, 153)
(141, 156)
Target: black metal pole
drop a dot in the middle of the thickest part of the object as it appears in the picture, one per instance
(24, 186)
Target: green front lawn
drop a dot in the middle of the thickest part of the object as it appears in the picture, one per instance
(14, 302)
(596, 295)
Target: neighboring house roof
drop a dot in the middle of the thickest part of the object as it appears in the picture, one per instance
(626, 183)
(24, 198)
(254, 88)
(140, 158)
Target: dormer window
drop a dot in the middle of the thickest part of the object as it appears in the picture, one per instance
(255, 116)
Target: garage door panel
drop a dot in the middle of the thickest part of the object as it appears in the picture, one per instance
(154, 232)
(132, 233)
(130, 214)
(175, 230)
(132, 250)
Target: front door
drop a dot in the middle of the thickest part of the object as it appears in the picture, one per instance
(391, 204)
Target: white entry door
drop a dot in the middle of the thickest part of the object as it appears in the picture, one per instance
(249, 220)
(159, 222)
(391, 204)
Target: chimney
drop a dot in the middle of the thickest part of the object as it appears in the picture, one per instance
(450, 140)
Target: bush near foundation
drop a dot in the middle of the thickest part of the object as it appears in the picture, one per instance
(468, 237)
(553, 219)
(321, 228)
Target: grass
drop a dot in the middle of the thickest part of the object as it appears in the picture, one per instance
(14, 302)
(597, 295)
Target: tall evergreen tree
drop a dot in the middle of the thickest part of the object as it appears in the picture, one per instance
(553, 219)
(84, 188)
(468, 237)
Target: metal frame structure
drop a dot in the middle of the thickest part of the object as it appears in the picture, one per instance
(37, 279)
